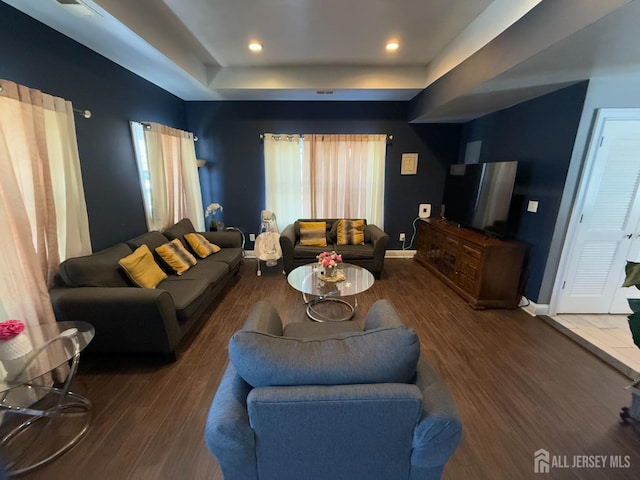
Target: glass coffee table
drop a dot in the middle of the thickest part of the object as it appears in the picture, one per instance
(42, 417)
(326, 299)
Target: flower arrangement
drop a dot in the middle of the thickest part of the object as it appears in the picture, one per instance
(14, 344)
(329, 263)
(329, 260)
(10, 329)
(211, 210)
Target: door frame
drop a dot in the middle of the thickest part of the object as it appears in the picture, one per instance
(602, 116)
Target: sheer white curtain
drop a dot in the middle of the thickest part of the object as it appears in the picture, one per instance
(285, 178)
(347, 176)
(42, 205)
(173, 189)
(326, 176)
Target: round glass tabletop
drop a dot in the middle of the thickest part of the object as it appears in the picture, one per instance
(306, 279)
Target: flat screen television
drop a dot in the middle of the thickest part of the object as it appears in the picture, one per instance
(479, 196)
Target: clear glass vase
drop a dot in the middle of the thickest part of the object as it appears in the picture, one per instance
(330, 272)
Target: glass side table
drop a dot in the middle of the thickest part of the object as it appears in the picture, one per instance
(41, 417)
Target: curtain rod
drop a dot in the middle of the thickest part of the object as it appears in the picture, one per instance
(290, 136)
(148, 126)
(84, 113)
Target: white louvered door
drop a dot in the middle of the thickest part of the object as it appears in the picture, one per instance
(607, 231)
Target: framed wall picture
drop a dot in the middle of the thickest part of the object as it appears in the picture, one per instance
(409, 164)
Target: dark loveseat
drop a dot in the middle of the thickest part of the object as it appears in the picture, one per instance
(370, 255)
(95, 289)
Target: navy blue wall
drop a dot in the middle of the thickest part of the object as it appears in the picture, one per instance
(539, 134)
(38, 57)
(229, 141)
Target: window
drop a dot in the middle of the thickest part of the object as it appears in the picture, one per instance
(325, 176)
(168, 173)
(137, 132)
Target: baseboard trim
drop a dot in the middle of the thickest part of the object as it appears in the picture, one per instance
(534, 309)
(399, 254)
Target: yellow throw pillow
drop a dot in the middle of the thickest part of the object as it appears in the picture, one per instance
(201, 245)
(176, 256)
(313, 234)
(142, 269)
(350, 232)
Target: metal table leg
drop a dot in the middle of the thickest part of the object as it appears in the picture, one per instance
(317, 316)
(67, 405)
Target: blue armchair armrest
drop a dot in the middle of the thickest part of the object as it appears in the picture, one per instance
(228, 434)
(439, 430)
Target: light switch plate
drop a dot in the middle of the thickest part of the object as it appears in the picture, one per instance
(532, 206)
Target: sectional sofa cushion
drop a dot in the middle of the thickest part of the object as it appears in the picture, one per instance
(207, 269)
(313, 234)
(142, 269)
(176, 256)
(350, 232)
(200, 245)
(151, 239)
(180, 229)
(309, 252)
(355, 252)
(99, 269)
(332, 235)
(383, 355)
(190, 296)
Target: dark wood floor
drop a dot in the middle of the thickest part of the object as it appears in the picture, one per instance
(519, 385)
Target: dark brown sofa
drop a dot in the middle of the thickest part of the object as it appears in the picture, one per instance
(127, 318)
(370, 255)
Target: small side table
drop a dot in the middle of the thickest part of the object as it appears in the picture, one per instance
(44, 418)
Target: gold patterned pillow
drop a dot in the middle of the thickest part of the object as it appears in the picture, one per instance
(201, 245)
(142, 269)
(313, 234)
(350, 232)
(176, 256)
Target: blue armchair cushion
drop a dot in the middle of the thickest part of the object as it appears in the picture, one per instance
(383, 355)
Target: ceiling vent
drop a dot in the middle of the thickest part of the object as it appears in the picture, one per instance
(77, 8)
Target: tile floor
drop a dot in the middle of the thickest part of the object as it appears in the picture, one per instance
(608, 336)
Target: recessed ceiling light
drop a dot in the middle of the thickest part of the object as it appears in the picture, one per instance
(255, 47)
(392, 46)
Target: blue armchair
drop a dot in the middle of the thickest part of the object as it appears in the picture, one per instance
(328, 401)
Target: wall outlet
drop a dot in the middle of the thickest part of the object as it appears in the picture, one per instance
(402, 237)
(424, 210)
(252, 237)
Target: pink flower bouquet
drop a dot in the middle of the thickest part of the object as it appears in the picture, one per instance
(329, 259)
(10, 329)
